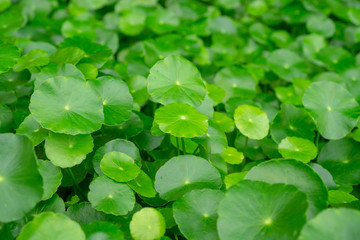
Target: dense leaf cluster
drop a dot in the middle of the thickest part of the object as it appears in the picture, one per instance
(179, 119)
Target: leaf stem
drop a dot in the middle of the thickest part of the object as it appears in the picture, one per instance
(178, 146)
(245, 150)
(197, 148)
(183, 145)
(317, 139)
(77, 187)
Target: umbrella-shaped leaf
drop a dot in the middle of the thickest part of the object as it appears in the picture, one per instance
(287, 64)
(33, 130)
(182, 174)
(223, 121)
(51, 178)
(258, 210)
(20, 180)
(251, 121)
(214, 141)
(34, 58)
(111, 197)
(118, 145)
(321, 25)
(236, 82)
(117, 101)
(333, 224)
(8, 56)
(66, 55)
(102, 230)
(175, 79)
(332, 108)
(181, 120)
(292, 122)
(196, 213)
(143, 185)
(147, 224)
(342, 159)
(295, 173)
(232, 156)
(68, 150)
(119, 166)
(67, 105)
(298, 148)
(50, 225)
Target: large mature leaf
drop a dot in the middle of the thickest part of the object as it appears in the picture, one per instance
(67, 105)
(332, 107)
(20, 180)
(258, 210)
(182, 174)
(175, 79)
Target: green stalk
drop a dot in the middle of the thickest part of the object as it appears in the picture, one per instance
(317, 139)
(77, 187)
(197, 148)
(178, 146)
(183, 145)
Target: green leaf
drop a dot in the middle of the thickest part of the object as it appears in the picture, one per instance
(67, 105)
(143, 185)
(66, 55)
(33, 130)
(88, 70)
(258, 210)
(338, 197)
(298, 148)
(287, 64)
(232, 156)
(332, 107)
(147, 224)
(295, 173)
(236, 82)
(251, 121)
(181, 120)
(102, 231)
(175, 79)
(8, 56)
(182, 174)
(321, 25)
(67, 150)
(132, 21)
(111, 197)
(334, 224)
(119, 167)
(196, 213)
(117, 101)
(20, 180)
(34, 58)
(6, 118)
(223, 121)
(342, 159)
(118, 145)
(293, 122)
(51, 176)
(51, 226)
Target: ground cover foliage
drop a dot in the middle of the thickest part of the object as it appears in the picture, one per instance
(179, 119)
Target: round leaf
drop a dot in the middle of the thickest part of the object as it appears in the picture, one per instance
(295, 173)
(34, 58)
(332, 108)
(67, 150)
(143, 185)
(298, 148)
(196, 213)
(287, 64)
(119, 166)
(20, 180)
(33, 130)
(111, 197)
(117, 101)
(258, 210)
(232, 156)
(53, 226)
(182, 174)
(175, 79)
(333, 224)
(342, 159)
(181, 120)
(251, 121)
(147, 224)
(67, 105)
